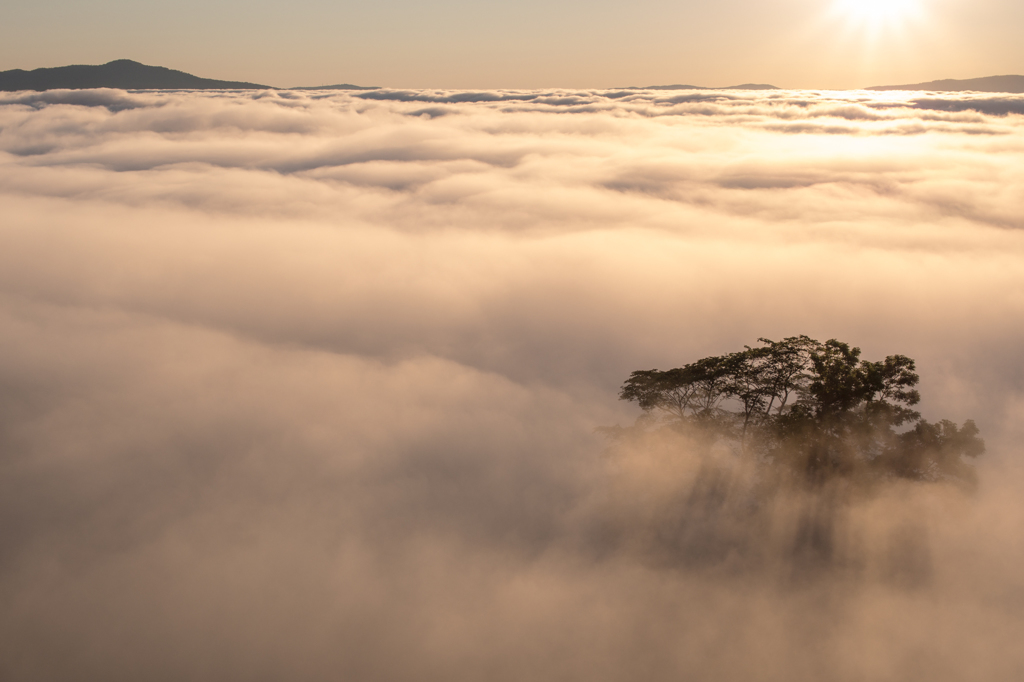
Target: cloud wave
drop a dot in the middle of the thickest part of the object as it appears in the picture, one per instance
(305, 384)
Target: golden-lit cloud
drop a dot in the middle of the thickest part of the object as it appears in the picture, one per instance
(305, 385)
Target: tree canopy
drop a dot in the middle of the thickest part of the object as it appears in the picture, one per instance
(813, 408)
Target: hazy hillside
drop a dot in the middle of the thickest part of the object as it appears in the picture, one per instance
(745, 86)
(340, 86)
(987, 84)
(121, 73)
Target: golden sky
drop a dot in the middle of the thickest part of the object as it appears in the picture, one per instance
(558, 43)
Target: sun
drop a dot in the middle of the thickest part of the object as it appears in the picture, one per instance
(878, 14)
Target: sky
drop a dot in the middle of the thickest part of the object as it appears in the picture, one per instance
(838, 44)
(305, 386)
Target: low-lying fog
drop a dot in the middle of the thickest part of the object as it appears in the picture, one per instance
(305, 386)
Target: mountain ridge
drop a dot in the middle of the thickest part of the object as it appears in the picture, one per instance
(127, 74)
(124, 74)
(1011, 84)
(340, 86)
(745, 86)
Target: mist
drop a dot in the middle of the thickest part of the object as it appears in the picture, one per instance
(307, 386)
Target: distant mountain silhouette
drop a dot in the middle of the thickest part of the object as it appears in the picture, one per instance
(341, 86)
(126, 74)
(749, 86)
(121, 73)
(988, 84)
(745, 86)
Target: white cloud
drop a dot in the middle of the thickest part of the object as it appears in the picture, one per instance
(307, 382)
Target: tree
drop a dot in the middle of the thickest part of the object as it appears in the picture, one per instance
(813, 408)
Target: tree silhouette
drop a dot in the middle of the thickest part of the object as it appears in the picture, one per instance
(811, 408)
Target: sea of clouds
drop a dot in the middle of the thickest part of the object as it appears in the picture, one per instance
(305, 385)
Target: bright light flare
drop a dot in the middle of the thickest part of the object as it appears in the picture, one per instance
(878, 13)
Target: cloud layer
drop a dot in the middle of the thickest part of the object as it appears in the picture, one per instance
(304, 385)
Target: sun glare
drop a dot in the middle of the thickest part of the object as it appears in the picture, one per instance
(878, 13)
